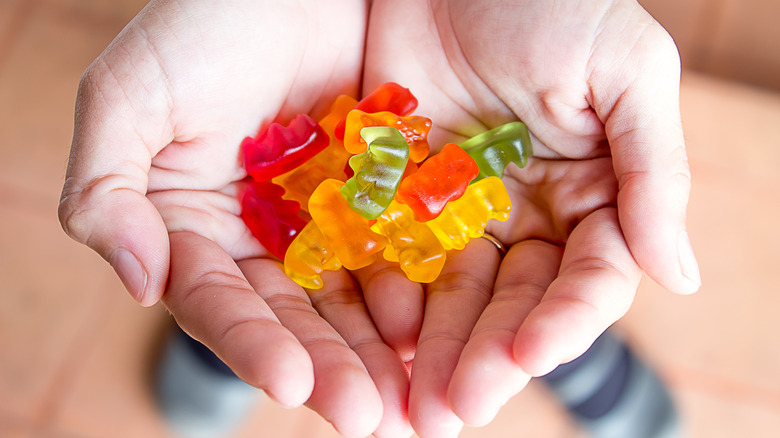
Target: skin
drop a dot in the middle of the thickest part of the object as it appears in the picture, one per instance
(159, 118)
(604, 198)
(154, 173)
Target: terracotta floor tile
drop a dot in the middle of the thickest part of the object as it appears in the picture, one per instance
(270, 418)
(724, 418)
(532, 413)
(119, 11)
(744, 45)
(12, 427)
(110, 393)
(51, 285)
(687, 22)
(13, 17)
(14, 432)
(51, 289)
(731, 128)
(38, 83)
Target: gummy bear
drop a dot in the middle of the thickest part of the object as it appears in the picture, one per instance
(330, 163)
(308, 255)
(271, 219)
(387, 97)
(378, 171)
(467, 217)
(338, 112)
(495, 149)
(410, 243)
(347, 232)
(280, 149)
(414, 129)
(439, 180)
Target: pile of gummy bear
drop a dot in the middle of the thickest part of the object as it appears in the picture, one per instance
(360, 182)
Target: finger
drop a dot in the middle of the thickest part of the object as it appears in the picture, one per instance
(594, 288)
(340, 302)
(396, 305)
(641, 112)
(487, 375)
(103, 203)
(344, 393)
(213, 302)
(215, 215)
(453, 305)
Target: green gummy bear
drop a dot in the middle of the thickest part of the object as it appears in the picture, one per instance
(378, 171)
(494, 149)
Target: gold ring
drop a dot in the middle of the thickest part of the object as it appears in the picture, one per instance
(500, 246)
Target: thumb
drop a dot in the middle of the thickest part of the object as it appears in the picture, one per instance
(122, 226)
(641, 113)
(104, 203)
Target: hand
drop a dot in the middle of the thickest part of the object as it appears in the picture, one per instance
(604, 198)
(153, 177)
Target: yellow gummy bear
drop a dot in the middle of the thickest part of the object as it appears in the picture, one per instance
(466, 218)
(412, 244)
(346, 231)
(308, 255)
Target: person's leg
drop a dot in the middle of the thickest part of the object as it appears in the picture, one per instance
(198, 394)
(611, 393)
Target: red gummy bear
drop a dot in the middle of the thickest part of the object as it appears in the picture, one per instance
(388, 97)
(272, 220)
(442, 178)
(281, 149)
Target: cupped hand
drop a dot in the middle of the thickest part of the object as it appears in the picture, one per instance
(155, 170)
(602, 200)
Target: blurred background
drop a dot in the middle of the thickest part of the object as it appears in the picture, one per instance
(76, 354)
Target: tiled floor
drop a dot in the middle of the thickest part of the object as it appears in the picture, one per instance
(76, 353)
(731, 38)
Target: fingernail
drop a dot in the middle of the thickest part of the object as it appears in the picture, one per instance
(688, 264)
(131, 272)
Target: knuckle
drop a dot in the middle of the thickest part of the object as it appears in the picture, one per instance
(202, 289)
(461, 281)
(214, 279)
(289, 303)
(678, 164)
(336, 297)
(72, 210)
(441, 337)
(667, 49)
(84, 203)
(672, 167)
(91, 82)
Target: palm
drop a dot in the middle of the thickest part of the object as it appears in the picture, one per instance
(155, 171)
(566, 277)
(473, 79)
(263, 71)
(160, 118)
